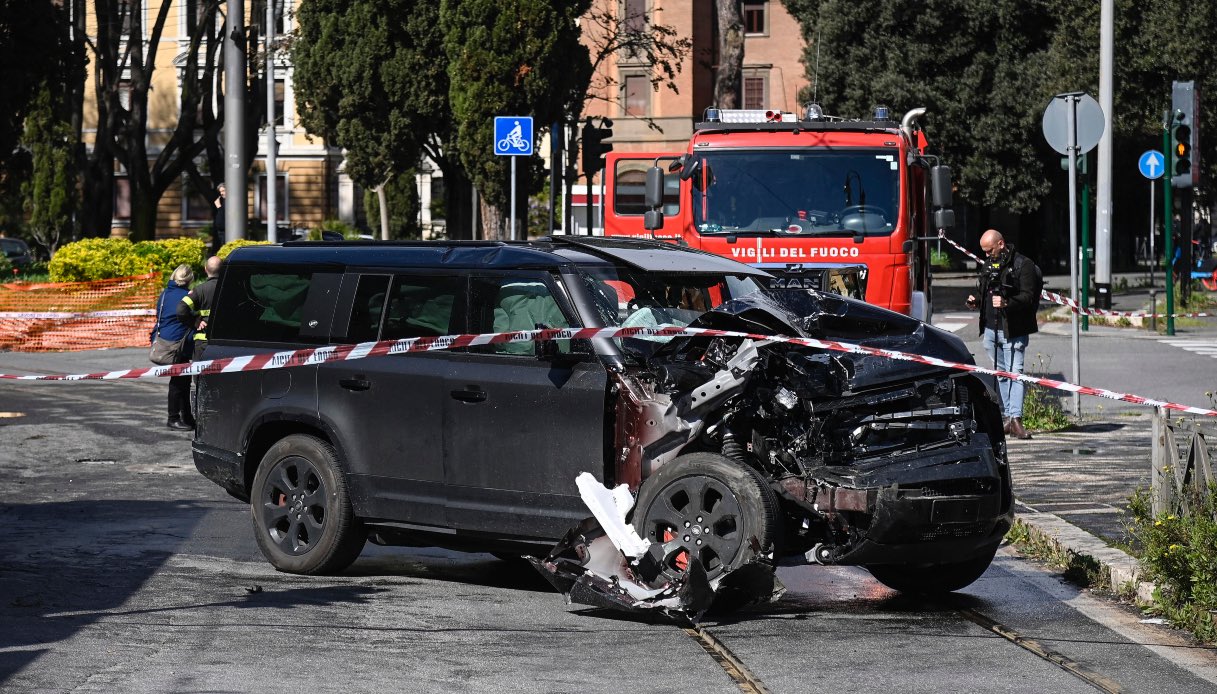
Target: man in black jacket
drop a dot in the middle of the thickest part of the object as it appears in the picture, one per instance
(1008, 291)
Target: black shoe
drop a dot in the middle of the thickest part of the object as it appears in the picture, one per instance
(177, 423)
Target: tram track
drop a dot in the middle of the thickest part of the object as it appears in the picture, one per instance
(750, 683)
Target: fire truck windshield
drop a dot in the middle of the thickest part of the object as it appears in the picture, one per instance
(821, 192)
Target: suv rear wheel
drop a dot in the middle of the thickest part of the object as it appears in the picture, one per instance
(706, 506)
(302, 514)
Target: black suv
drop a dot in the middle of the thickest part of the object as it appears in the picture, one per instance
(767, 449)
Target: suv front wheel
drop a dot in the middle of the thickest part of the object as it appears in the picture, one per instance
(302, 513)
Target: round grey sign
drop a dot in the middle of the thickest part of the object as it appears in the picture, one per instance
(1089, 123)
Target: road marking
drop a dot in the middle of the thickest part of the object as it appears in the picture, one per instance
(1206, 347)
(953, 322)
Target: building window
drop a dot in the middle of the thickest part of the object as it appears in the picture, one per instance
(197, 205)
(124, 93)
(122, 199)
(634, 18)
(637, 90)
(756, 16)
(756, 90)
(280, 98)
(281, 197)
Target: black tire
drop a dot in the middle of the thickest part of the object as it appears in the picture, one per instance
(933, 579)
(301, 511)
(708, 506)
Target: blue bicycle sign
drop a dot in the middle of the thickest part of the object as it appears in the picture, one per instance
(513, 136)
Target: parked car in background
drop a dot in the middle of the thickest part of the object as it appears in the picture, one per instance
(17, 252)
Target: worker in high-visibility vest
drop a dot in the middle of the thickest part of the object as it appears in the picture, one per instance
(194, 309)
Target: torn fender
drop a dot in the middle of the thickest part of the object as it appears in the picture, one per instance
(603, 563)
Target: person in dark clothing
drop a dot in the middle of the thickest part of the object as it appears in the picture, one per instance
(170, 328)
(219, 224)
(1008, 289)
(194, 310)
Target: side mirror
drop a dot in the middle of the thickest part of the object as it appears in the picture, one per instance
(944, 219)
(940, 186)
(653, 196)
(652, 220)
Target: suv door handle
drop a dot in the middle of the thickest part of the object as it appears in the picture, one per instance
(355, 383)
(472, 394)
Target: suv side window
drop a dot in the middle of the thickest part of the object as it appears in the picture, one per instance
(261, 305)
(507, 303)
(422, 306)
(368, 309)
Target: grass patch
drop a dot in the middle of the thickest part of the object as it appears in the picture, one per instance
(1042, 410)
(1079, 569)
(1179, 552)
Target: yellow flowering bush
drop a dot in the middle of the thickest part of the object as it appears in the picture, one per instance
(99, 259)
(96, 259)
(233, 245)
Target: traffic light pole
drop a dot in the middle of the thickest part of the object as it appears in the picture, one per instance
(1168, 212)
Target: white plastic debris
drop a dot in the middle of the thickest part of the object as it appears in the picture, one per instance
(609, 508)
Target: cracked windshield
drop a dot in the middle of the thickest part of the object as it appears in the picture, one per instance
(797, 192)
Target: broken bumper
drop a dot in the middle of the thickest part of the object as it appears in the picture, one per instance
(928, 508)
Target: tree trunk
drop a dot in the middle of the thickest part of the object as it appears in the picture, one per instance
(382, 200)
(492, 220)
(728, 77)
(457, 204)
(143, 213)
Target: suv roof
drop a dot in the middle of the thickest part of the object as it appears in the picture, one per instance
(547, 252)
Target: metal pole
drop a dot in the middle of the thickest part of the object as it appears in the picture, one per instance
(236, 205)
(1072, 128)
(1104, 207)
(1085, 247)
(589, 203)
(554, 150)
(1152, 257)
(272, 217)
(511, 233)
(1168, 226)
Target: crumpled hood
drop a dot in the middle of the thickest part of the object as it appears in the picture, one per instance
(808, 313)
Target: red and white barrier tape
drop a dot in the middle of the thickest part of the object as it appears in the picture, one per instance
(1076, 307)
(62, 315)
(333, 353)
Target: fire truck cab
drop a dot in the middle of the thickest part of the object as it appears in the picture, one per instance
(818, 201)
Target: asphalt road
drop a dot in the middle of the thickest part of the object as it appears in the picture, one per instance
(122, 569)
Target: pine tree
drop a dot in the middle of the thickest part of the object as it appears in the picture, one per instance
(50, 194)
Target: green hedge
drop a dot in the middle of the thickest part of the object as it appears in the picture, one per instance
(233, 245)
(99, 259)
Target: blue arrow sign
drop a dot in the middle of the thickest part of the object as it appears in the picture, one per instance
(1150, 164)
(513, 136)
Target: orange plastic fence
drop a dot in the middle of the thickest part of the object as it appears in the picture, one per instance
(67, 316)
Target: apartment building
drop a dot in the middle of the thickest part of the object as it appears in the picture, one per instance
(310, 184)
(773, 73)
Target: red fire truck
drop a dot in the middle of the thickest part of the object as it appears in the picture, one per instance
(820, 202)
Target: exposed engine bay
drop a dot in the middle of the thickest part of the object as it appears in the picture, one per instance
(749, 453)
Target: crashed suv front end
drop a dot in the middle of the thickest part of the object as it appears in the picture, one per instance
(895, 465)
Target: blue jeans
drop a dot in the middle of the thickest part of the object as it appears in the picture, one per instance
(1007, 355)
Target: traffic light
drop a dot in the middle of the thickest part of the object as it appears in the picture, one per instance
(594, 145)
(1185, 134)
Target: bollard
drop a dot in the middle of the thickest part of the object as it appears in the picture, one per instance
(1153, 310)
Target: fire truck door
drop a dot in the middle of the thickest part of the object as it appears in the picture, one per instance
(624, 195)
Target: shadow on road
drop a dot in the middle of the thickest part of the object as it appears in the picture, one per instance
(63, 564)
